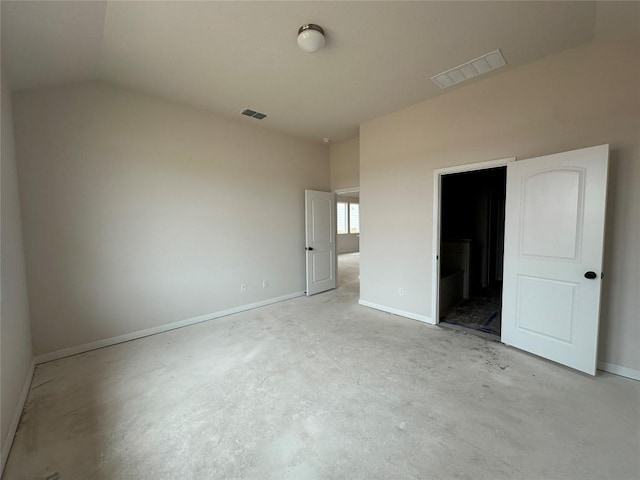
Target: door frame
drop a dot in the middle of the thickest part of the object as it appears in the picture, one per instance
(437, 211)
(347, 191)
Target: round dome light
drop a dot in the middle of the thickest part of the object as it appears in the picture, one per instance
(310, 37)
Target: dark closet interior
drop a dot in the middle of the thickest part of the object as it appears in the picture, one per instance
(472, 249)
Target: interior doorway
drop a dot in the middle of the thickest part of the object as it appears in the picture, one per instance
(553, 253)
(348, 221)
(469, 219)
(348, 239)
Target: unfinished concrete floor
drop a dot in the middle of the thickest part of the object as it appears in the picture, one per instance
(320, 387)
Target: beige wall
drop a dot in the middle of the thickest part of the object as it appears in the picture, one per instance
(348, 243)
(585, 96)
(140, 212)
(345, 164)
(15, 343)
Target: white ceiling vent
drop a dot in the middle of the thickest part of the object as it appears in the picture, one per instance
(467, 71)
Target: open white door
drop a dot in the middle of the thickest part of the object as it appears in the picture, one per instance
(320, 222)
(554, 237)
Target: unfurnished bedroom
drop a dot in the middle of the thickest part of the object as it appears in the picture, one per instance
(316, 239)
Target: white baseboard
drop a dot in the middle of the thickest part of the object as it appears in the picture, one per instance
(396, 311)
(619, 370)
(66, 352)
(15, 420)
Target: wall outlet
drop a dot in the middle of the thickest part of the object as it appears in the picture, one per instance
(401, 291)
(243, 288)
(265, 283)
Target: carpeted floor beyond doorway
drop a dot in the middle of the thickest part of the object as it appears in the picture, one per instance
(481, 312)
(320, 387)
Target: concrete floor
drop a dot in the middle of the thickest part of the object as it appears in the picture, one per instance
(320, 387)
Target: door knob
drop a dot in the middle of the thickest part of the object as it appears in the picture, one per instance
(590, 275)
(308, 248)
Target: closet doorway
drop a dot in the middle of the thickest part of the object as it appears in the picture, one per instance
(470, 242)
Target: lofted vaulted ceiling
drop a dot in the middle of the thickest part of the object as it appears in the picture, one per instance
(226, 56)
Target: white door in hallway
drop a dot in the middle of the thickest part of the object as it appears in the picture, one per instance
(320, 225)
(554, 235)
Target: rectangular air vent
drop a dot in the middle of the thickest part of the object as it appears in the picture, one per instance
(252, 113)
(473, 68)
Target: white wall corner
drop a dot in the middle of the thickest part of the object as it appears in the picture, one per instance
(15, 419)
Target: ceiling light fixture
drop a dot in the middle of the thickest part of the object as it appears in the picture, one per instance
(310, 37)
